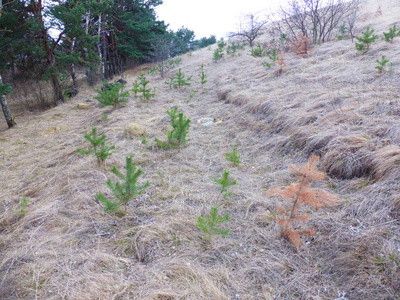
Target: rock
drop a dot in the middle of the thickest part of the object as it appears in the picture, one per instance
(122, 81)
(83, 106)
(134, 129)
(205, 121)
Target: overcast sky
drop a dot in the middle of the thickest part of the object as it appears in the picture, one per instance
(210, 17)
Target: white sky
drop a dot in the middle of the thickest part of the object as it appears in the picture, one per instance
(211, 17)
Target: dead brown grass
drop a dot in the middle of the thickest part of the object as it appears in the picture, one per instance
(331, 103)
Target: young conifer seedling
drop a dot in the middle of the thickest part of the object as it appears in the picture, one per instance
(146, 92)
(123, 191)
(179, 79)
(299, 193)
(393, 32)
(366, 40)
(210, 225)
(180, 127)
(382, 64)
(203, 76)
(112, 94)
(99, 148)
(233, 157)
(225, 183)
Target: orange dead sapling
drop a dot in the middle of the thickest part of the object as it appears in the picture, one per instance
(299, 193)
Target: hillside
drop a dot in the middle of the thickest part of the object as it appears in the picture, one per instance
(332, 103)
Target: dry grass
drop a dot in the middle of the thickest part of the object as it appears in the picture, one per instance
(332, 103)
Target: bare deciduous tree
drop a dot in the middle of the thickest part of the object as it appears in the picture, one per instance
(250, 29)
(315, 19)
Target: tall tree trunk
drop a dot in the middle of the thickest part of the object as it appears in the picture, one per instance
(57, 91)
(73, 71)
(6, 111)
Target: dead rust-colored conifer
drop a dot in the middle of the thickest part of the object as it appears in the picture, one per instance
(299, 193)
(300, 46)
(281, 63)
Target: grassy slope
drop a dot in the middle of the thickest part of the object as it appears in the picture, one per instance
(332, 103)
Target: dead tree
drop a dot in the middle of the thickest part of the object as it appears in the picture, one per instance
(315, 19)
(250, 30)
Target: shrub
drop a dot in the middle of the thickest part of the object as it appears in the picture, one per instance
(366, 40)
(180, 127)
(209, 225)
(112, 94)
(233, 157)
(225, 183)
(300, 193)
(125, 191)
(99, 148)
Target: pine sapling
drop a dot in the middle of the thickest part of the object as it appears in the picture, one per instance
(180, 80)
(210, 225)
(146, 92)
(112, 94)
(219, 52)
(393, 32)
(135, 88)
(203, 76)
(366, 40)
(299, 193)
(233, 157)
(126, 190)
(382, 64)
(22, 205)
(180, 127)
(225, 183)
(99, 148)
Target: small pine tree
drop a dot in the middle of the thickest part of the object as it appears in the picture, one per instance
(300, 193)
(112, 94)
(125, 191)
(203, 76)
(180, 127)
(233, 157)
(180, 80)
(225, 183)
(366, 40)
(219, 52)
(382, 64)
(146, 93)
(209, 225)
(99, 148)
(393, 32)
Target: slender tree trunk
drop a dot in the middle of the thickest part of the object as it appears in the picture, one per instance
(6, 111)
(73, 71)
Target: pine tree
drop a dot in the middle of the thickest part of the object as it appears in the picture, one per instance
(180, 127)
(299, 193)
(366, 40)
(209, 225)
(99, 148)
(126, 190)
(225, 183)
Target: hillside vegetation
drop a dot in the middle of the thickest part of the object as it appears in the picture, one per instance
(58, 242)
